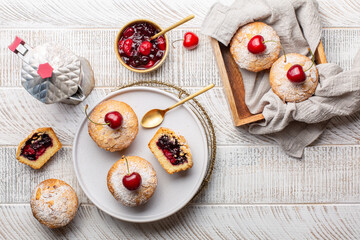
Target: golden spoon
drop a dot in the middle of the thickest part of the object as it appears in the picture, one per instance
(173, 26)
(155, 117)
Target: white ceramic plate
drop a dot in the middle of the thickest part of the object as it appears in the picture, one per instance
(173, 191)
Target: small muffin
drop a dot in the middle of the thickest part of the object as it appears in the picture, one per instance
(287, 90)
(171, 150)
(113, 139)
(136, 191)
(250, 61)
(38, 147)
(54, 203)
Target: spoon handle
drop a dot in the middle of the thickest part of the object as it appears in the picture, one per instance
(191, 96)
(173, 26)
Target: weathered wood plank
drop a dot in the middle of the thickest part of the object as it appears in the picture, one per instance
(182, 67)
(20, 114)
(109, 14)
(185, 68)
(248, 175)
(196, 222)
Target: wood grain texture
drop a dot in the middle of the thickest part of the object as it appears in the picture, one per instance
(196, 222)
(14, 127)
(243, 175)
(251, 175)
(110, 14)
(182, 67)
(186, 68)
(233, 85)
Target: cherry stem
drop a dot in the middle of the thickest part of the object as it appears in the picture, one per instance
(127, 165)
(269, 41)
(172, 44)
(86, 107)
(312, 60)
(284, 54)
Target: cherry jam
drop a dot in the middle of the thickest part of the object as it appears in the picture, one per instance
(36, 146)
(135, 48)
(172, 150)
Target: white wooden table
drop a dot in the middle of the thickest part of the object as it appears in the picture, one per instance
(256, 191)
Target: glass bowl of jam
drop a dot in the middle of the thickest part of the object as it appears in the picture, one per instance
(134, 49)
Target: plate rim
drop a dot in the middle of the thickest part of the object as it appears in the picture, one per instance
(206, 152)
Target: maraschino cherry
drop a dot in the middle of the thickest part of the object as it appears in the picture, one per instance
(131, 181)
(296, 73)
(145, 48)
(256, 44)
(190, 41)
(113, 119)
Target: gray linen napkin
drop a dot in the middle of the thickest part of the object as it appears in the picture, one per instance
(293, 125)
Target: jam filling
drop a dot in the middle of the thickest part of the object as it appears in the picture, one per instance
(139, 32)
(171, 149)
(36, 146)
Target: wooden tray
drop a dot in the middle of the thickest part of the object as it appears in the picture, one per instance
(233, 82)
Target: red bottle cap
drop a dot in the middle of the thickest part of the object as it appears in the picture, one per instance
(15, 44)
(45, 70)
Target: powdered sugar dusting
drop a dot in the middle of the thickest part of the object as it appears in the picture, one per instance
(113, 139)
(148, 183)
(287, 90)
(54, 203)
(248, 60)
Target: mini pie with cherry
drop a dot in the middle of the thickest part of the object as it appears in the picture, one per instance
(255, 46)
(171, 150)
(38, 147)
(294, 77)
(132, 181)
(113, 125)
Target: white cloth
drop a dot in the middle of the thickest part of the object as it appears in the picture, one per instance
(293, 125)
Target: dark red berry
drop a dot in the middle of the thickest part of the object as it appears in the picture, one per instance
(128, 32)
(150, 64)
(135, 48)
(190, 40)
(121, 44)
(296, 74)
(145, 48)
(161, 43)
(114, 119)
(132, 181)
(256, 44)
(128, 46)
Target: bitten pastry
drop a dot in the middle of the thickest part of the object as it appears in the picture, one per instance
(132, 181)
(38, 147)
(255, 46)
(171, 150)
(54, 203)
(122, 129)
(288, 89)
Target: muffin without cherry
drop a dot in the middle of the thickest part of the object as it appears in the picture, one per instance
(171, 150)
(38, 147)
(54, 203)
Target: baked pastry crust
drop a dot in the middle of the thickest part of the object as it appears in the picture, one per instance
(286, 90)
(54, 203)
(248, 60)
(148, 181)
(38, 163)
(165, 163)
(113, 139)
